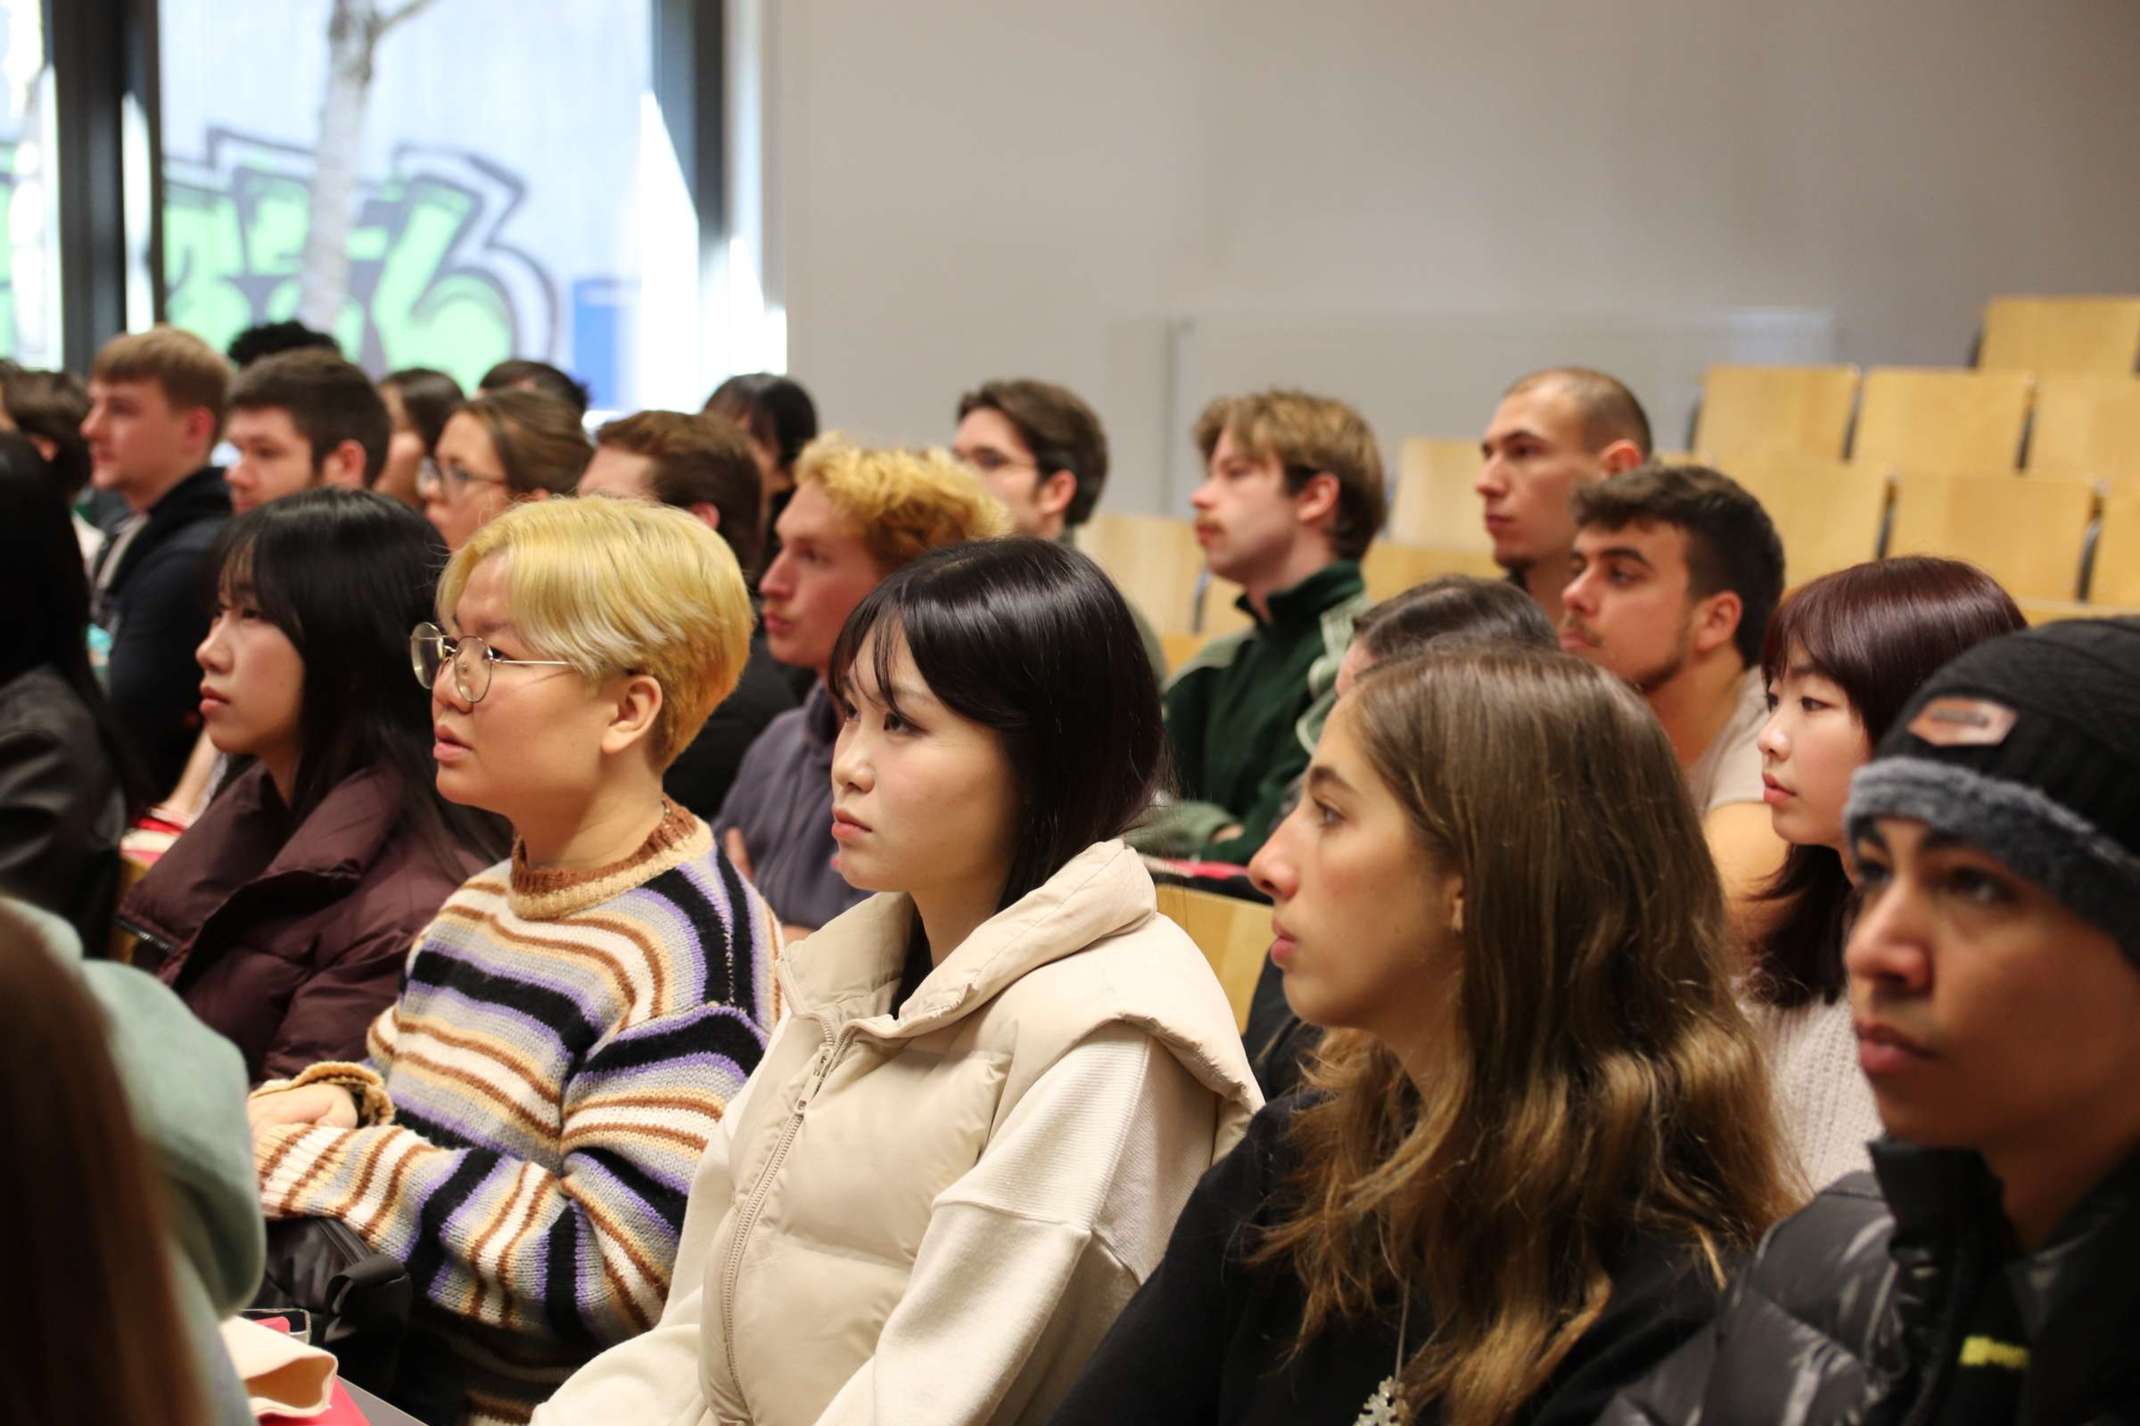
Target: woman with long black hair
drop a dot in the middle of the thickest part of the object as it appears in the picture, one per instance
(284, 915)
(67, 781)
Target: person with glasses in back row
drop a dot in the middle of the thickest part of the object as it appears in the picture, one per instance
(498, 449)
(574, 1022)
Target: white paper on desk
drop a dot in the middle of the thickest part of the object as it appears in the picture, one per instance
(282, 1376)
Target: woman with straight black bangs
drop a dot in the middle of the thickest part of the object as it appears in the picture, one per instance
(999, 1078)
(284, 914)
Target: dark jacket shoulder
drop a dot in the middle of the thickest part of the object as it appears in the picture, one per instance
(62, 808)
(289, 940)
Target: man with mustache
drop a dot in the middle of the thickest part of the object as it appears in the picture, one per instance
(1676, 570)
(1292, 496)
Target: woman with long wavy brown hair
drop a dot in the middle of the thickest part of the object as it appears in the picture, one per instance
(1539, 1128)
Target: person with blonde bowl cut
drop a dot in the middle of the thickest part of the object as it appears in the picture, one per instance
(498, 449)
(1539, 1126)
(574, 1022)
(855, 516)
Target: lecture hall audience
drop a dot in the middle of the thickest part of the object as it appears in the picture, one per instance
(703, 1057)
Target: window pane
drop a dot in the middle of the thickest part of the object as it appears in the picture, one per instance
(491, 172)
(29, 259)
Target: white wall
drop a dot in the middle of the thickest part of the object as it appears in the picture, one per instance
(964, 190)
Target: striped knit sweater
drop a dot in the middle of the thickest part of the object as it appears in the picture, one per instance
(535, 1103)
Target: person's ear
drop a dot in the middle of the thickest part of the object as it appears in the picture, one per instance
(1317, 500)
(200, 426)
(46, 447)
(708, 514)
(344, 466)
(1055, 492)
(637, 706)
(1716, 620)
(1622, 454)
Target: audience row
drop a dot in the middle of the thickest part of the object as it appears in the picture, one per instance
(708, 933)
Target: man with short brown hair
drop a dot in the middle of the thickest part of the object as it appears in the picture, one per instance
(702, 465)
(301, 418)
(1043, 452)
(1292, 497)
(1555, 430)
(155, 408)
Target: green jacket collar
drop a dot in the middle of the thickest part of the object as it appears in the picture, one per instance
(1304, 603)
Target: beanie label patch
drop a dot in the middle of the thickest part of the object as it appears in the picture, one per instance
(1963, 723)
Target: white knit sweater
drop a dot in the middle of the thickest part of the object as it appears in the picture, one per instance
(1821, 1096)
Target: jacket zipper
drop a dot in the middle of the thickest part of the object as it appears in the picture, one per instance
(828, 1055)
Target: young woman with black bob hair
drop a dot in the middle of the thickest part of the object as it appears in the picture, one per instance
(1842, 657)
(283, 916)
(68, 781)
(1539, 1130)
(999, 1079)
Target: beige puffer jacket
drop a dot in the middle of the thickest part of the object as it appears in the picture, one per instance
(933, 1217)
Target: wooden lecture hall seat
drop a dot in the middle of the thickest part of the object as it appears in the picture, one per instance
(2087, 427)
(2028, 534)
(2066, 335)
(1941, 420)
(1434, 505)
(1758, 410)
(1233, 934)
(1828, 513)
(2116, 582)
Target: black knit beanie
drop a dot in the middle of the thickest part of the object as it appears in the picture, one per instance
(2028, 747)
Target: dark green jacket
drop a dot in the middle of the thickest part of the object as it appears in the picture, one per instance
(1244, 714)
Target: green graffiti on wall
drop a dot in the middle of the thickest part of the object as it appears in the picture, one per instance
(431, 282)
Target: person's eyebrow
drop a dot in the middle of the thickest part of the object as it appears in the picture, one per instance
(1620, 552)
(1322, 777)
(1938, 841)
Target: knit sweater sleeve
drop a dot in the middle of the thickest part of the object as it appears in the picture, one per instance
(578, 1250)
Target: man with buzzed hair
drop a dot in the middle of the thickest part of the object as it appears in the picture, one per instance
(1554, 430)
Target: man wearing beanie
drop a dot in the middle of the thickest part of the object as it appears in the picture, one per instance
(1988, 1269)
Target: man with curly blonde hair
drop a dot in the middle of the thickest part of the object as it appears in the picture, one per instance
(856, 516)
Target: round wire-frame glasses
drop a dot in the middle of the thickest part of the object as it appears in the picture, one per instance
(431, 649)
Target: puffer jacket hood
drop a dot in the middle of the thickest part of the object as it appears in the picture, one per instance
(1853, 1309)
(1101, 894)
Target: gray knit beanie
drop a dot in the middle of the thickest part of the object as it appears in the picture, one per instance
(2028, 747)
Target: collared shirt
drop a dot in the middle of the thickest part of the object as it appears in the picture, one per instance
(782, 803)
